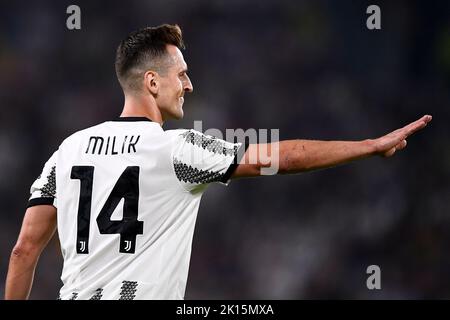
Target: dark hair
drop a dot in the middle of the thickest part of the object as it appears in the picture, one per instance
(143, 50)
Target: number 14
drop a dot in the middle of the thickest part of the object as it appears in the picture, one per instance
(127, 187)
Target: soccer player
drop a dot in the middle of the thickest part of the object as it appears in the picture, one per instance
(124, 194)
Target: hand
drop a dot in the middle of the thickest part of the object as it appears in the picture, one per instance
(387, 145)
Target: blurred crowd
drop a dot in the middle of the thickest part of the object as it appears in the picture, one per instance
(311, 69)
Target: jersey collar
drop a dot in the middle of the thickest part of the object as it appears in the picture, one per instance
(132, 119)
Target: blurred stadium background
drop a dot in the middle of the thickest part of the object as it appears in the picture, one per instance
(311, 69)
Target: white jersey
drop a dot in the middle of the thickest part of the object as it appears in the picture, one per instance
(127, 195)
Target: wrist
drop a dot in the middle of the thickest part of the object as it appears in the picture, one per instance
(369, 145)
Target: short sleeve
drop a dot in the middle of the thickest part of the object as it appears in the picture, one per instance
(200, 159)
(43, 189)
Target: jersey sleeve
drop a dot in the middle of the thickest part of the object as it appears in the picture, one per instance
(43, 189)
(200, 159)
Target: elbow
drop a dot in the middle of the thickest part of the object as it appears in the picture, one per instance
(25, 251)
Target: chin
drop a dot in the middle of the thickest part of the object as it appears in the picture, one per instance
(178, 115)
(180, 112)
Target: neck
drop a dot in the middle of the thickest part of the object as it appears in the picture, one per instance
(141, 106)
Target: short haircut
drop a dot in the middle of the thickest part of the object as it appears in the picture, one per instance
(144, 50)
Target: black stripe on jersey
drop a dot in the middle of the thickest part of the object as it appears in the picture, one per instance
(128, 290)
(38, 201)
(187, 173)
(211, 144)
(49, 189)
(98, 294)
(235, 163)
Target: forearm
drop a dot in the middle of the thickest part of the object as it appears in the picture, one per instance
(20, 275)
(304, 155)
(294, 156)
(39, 225)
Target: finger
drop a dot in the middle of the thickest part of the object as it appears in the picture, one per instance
(401, 145)
(390, 152)
(416, 126)
(426, 118)
(412, 125)
(423, 120)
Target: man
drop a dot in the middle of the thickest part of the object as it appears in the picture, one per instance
(127, 192)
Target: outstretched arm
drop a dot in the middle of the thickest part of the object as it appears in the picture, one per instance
(39, 225)
(296, 156)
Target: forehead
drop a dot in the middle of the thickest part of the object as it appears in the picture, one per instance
(176, 57)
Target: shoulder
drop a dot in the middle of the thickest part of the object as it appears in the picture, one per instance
(190, 135)
(176, 132)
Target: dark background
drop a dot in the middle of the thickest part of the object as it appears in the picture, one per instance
(309, 68)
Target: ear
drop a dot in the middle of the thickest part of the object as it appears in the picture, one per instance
(151, 81)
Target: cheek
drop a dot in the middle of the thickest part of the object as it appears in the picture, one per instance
(180, 86)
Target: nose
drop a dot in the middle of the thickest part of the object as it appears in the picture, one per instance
(188, 85)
